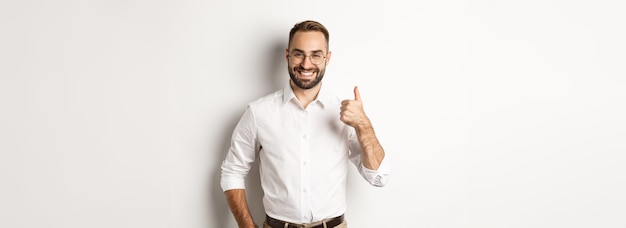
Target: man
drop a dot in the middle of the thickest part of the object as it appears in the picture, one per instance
(305, 139)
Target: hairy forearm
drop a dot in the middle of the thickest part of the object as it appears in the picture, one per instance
(372, 153)
(239, 207)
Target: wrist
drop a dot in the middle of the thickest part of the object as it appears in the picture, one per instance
(363, 127)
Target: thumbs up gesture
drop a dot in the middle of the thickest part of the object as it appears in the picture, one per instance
(352, 112)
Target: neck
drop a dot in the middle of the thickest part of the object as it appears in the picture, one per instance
(305, 96)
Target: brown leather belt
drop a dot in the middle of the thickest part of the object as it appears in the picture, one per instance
(275, 223)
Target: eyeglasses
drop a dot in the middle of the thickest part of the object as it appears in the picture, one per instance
(298, 57)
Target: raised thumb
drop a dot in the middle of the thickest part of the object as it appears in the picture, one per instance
(357, 95)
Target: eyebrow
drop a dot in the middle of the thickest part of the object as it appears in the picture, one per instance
(315, 51)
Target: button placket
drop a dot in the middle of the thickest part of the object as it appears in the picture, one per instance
(304, 170)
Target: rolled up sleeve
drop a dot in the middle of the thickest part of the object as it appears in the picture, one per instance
(379, 177)
(241, 153)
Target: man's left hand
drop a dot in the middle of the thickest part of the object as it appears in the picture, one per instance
(352, 112)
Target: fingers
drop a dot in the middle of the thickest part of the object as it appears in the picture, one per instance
(351, 111)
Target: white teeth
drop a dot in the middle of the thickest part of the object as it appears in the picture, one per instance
(307, 73)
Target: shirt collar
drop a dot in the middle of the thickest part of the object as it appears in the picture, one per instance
(323, 97)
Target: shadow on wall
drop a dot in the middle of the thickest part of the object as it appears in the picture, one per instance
(277, 74)
(276, 79)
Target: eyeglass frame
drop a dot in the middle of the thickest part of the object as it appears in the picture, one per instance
(309, 56)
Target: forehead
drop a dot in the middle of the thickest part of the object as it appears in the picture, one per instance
(308, 41)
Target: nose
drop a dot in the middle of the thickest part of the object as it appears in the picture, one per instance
(307, 63)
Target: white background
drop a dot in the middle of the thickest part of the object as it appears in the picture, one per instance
(495, 113)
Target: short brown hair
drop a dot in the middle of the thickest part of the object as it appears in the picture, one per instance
(307, 26)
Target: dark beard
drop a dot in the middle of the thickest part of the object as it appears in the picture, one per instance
(302, 84)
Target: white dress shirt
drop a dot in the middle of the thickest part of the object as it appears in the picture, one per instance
(303, 155)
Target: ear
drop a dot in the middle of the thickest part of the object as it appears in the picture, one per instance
(287, 55)
(328, 57)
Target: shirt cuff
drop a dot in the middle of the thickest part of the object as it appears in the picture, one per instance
(377, 177)
(230, 182)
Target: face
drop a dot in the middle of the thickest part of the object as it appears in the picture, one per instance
(305, 74)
